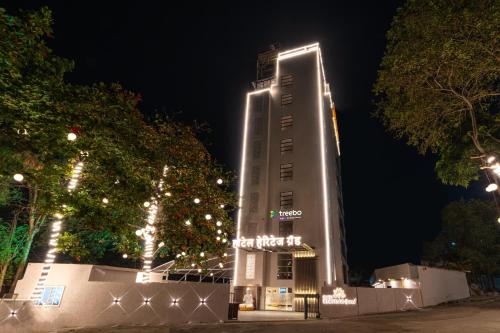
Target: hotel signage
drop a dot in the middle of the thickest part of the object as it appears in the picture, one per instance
(338, 297)
(286, 214)
(262, 242)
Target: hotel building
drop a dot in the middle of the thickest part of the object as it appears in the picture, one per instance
(290, 237)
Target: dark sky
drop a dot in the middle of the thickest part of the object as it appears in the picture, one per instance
(200, 59)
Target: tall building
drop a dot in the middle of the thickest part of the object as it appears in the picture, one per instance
(290, 232)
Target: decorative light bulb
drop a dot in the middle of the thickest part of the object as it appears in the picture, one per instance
(219, 181)
(192, 265)
(71, 136)
(199, 270)
(18, 177)
(225, 254)
(211, 274)
(490, 159)
(224, 240)
(218, 238)
(202, 254)
(138, 232)
(178, 255)
(498, 220)
(161, 244)
(492, 187)
(188, 222)
(196, 201)
(58, 215)
(219, 231)
(221, 206)
(183, 253)
(105, 200)
(168, 194)
(219, 223)
(125, 256)
(146, 204)
(208, 217)
(221, 265)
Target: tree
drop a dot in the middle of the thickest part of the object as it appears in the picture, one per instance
(469, 238)
(438, 83)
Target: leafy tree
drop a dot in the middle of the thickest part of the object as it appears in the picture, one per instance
(469, 239)
(438, 83)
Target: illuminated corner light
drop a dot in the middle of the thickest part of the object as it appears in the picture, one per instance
(219, 231)
(219, 223)
(208, 217)
(146, 204)
(221, 265)
(147, 301)
(196, 200)
(105, 200)
(202, 254)
(168, 194)
(138, 232)
(116, 301)
(125, 256)
(492, 187)
(491, 159)
(71, 136)
(161, 244)
(18, 177)
(219, 181)
(187, 222)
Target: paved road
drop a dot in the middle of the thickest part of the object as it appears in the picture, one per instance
(475, 317)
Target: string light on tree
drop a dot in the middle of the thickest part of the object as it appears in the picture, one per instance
(196, 200)
(491, 187)
(71, 136)
(105, 201)
(208, 217)
(146, 204)
(125, 256)
(18, 177)
(491, 159)
(187, 222)
(219, 181)
(219, 223)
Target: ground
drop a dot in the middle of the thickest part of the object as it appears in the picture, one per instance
(477, 316)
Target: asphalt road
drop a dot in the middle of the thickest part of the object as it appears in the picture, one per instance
(477, 317)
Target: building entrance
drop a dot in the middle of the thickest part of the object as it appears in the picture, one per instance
(279, 298)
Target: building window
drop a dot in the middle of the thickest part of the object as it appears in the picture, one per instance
(285, 266)
(286, 200)
(286, 99)
(51, 296)
(286, 122)
(286, 80)
(285, 228)
(286, 145)
(286, 172)
(257, 149)
(254, 202)
(255, 177)
(257, 126)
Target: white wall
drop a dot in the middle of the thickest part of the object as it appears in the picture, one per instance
(442, 285)
(90, 303)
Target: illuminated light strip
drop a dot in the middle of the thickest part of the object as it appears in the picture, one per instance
(55, 229)
(242, 177)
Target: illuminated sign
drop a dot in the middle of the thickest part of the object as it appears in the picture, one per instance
(285, 214)
(266, 242)
(338, 297)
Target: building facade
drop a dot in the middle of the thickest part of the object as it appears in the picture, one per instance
(290, 232)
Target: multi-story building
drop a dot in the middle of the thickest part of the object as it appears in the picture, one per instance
(290, 230)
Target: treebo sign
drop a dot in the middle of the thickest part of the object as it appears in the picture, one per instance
(286, 214)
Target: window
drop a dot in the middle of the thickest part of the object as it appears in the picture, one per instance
(257, 149)
(286, 80)
(286, 200)
(286, 122)
(285, 228)
(254, 202)
(286, 145)
(286, 99)
(255, 177)
(51, 296)
(285, 266)
(286, 172)
(257, 126)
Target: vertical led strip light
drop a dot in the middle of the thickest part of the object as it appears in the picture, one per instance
(242, 179)
(55, 232)
(149, 232)
(320, 74)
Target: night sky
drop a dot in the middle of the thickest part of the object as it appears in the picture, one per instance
(199, 60)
